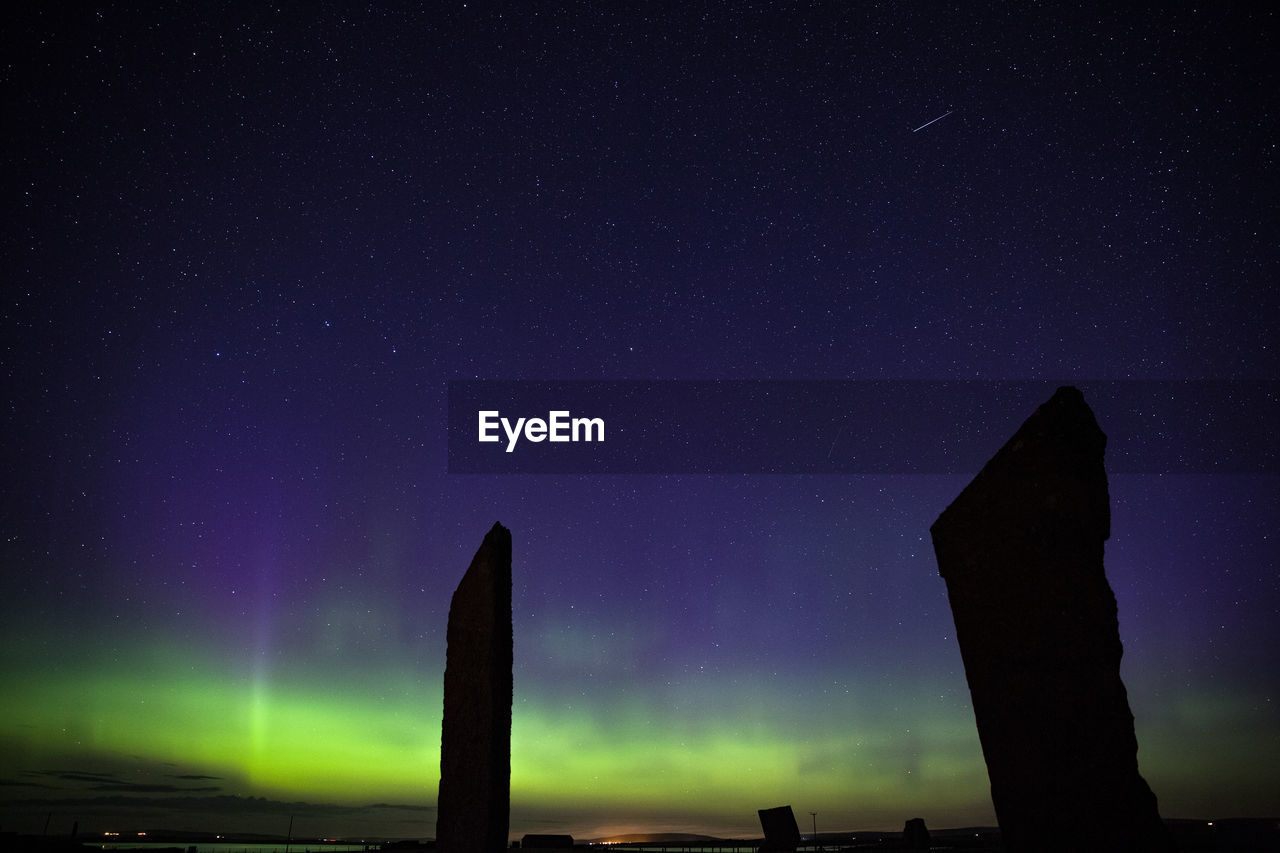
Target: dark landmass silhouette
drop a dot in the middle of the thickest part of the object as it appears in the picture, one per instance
(542, 841)
(1232, 835)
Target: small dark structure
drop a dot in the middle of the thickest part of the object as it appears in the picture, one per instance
(780, 830)
(1021, 550)
(915, 835)
(475, 737)
(546, 842)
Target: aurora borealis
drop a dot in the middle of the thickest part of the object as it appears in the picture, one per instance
(247, 250)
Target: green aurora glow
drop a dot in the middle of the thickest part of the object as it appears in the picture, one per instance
(623, 759)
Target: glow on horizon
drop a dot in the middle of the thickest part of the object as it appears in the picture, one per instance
(291, 737)
(280, 740)
(607, 764)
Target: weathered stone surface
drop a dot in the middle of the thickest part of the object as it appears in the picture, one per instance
(1021, 550)
(475, 739)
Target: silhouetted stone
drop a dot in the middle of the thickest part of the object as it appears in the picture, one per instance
(915, 835)
(780, 831)
(1021, 550)
(475, 737)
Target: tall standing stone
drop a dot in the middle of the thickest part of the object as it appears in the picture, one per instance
(475, 740)
(1021, 550)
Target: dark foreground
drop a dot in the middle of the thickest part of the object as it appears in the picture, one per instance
(1190, 836)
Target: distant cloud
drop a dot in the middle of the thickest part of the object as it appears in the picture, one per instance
(137, 788)
(77, 775)
(113, 782)
(196, 777)
(13, 783)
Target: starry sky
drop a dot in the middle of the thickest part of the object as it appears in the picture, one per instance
(248, 247)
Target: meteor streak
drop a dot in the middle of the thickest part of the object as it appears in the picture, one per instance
(939, 118)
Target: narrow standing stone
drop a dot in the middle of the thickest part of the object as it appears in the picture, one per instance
(1021, 550)
(475, 735)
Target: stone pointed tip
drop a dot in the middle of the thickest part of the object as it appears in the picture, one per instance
(1068, 397)
(1060, 428)
(499, 534)
(1054, 462)
(1066, 419)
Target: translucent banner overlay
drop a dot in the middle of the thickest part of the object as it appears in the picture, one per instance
(843, 426)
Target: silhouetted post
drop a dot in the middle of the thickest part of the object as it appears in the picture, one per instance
(915, 835)
(475, 735)
(781, 835)
(1021, 550)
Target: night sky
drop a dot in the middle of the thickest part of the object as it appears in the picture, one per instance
(248, 246)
